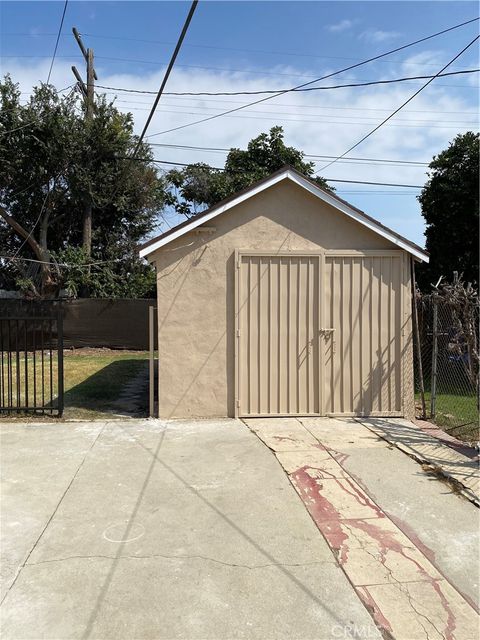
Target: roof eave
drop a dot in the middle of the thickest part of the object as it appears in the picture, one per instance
(309, 185)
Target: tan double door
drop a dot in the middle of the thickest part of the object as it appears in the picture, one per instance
(319, 334)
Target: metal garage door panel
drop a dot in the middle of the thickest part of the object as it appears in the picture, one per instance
(278, 335)
(363, 357)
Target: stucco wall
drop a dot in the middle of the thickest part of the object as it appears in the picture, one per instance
(196, 283)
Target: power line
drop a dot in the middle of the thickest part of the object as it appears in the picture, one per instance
(283, 119)
(186, 164)
(299, 89)
(250, 71)
(167, 72)
(203, 67)
(203, 46)
(371, 192)
(58, 38)
(263, 51)
(223, 69)
(307, 155)
(228, 112)
(354, 66)
(380, 184)
(60, 264)
(200, 109)
(296, 105)
(389, 117)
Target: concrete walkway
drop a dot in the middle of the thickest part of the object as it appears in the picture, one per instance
(404, 540)
(145, 530)
(429, 445)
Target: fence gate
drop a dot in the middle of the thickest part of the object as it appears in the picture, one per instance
(31, 362)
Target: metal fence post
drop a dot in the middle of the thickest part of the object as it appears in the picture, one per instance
(61, 401)
(416, 333)
(151, 364)
(433, 387)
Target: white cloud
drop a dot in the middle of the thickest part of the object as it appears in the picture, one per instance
(377, 35)
(343, 25)
(318, 122)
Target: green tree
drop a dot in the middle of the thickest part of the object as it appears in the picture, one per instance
(200, 185)
(449, 203)
(50, 160)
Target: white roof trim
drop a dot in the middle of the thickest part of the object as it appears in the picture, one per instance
(302, 182)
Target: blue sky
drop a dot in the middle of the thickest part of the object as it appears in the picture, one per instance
(272, 45)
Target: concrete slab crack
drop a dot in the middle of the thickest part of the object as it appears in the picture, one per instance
(180, 557)
(57, 506)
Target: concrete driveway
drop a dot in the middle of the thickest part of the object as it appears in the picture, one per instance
(405, 540)
(141, 529)
(195, 529)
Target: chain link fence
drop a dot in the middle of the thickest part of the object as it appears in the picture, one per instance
(449, 379)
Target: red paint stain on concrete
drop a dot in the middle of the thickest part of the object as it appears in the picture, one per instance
(428, 553)
(338, 456)
(360, 496)
(328, 519)
(319, 445)
(410, 533)
(324, 514)
(386, 541)
(380, 620)
(451, 622)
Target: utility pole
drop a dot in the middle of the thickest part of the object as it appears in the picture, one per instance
(88, 92)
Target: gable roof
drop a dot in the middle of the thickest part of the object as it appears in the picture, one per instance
(286, 173)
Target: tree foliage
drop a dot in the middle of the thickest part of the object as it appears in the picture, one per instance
(50, 159)
(199, 185)
(450, 203)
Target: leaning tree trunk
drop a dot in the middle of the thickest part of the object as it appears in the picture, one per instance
(49, 284)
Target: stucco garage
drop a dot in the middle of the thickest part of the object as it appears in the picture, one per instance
(284, 300)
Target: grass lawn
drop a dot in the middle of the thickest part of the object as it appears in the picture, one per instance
(93, 378)
(456, 413)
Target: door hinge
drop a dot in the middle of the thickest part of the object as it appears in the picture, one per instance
(238, 404)
(238, 333)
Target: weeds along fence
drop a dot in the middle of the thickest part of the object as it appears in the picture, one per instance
(449, 354)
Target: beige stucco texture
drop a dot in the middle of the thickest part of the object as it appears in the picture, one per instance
(197, 277)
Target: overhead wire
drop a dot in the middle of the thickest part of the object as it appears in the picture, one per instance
(60, 264)
(316, 106)
(299, 89)
(168, 71)
(307, 117)
(220, 48)
(187, 164)
(306, 84)
(57, 41)
(307, 155)
(229, 70)
(404, 104)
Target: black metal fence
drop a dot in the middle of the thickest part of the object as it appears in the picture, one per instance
(31, 362)
(451, 387)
